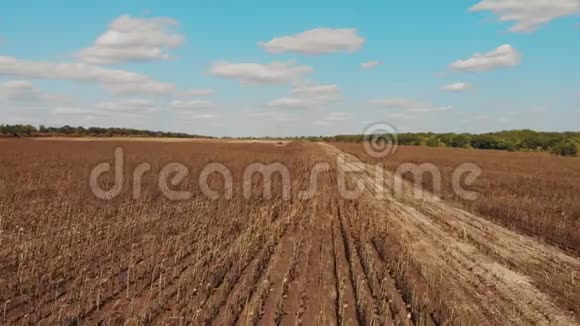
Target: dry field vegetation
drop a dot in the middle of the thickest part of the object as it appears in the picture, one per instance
(534, 193)
(67, 257)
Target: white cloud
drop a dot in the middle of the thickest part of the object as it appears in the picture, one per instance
(24, 91)
(456, 87)
(316, 41)
(503, 120)
(133, 39)
(409, 105)
(338, 116)
(191, 104)
(528, 15)
(317, 93)
(403, 116)
(307, 96)
(290, 102)
(196, 116)
(321, 122)
(400, 103)
(74, 115)
(147, 87)
(114, 80)
(316, 90)
(275, 72)
(127, 106)
(195, 92)
(502, 57)
(481, 117)
(430, 109)
(273, 115)
(370, 64)
(127, 112)
(333, 118)
(261, 114)
(76, 111)
(90, 117)
(111, 109)
(66, 71)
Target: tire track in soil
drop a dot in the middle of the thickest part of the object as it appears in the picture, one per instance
(476, 285)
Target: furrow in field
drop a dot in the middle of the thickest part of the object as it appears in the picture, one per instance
(294, 304)
(347, 310)
(365, 303)
(231, 311)
(266, 306)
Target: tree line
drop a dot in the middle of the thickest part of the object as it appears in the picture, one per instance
(68, 131)
(558, 143)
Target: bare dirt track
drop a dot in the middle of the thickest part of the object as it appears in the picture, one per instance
(67, 257)
(531, 193)
(483, 270)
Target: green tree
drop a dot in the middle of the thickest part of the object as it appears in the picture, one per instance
(409, 139)
(565, 148)
(506, 145)
(483, 142)
(459, 141)
(432, 142)
(532, 142)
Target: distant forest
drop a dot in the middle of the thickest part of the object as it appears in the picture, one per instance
(68, 131)
(558, 143)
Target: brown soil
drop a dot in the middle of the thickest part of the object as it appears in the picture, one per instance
(67, 257)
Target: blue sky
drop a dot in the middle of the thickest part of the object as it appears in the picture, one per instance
(237, 68)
